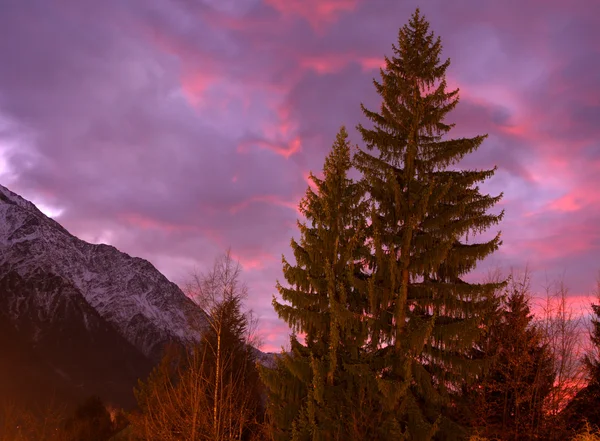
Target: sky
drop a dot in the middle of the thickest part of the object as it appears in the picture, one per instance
(176, 129)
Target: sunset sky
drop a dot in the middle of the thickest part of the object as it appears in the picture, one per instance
(174, 129)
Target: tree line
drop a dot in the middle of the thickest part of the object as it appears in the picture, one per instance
(396, 344)
(389, 340)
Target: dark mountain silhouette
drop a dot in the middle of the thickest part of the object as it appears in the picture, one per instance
(76, 318)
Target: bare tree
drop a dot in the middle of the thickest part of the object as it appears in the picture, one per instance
(213, 391)
(220, 293)
(172, 400)
(562, 327)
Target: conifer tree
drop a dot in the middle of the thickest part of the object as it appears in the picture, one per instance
(592, 359)
(313, 390)
(423, 213)
(509, 401)
(584, 407)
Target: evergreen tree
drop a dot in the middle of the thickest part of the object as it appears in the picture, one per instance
(314, 389)
(424, 317)
(509, 401)
(584, 408)
(91, 421)
(592, 359)
(287, 389)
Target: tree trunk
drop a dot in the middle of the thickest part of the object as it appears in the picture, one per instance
(217, 386)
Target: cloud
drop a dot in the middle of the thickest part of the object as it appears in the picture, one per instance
(317, 12)
(176, 129)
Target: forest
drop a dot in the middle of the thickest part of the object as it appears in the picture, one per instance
(390, 340)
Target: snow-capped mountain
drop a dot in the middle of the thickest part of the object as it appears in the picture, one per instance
(127, 292)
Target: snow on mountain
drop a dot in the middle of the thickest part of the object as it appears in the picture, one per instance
(128, 292)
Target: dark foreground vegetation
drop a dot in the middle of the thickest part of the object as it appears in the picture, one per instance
(389, 340)
(535, 387)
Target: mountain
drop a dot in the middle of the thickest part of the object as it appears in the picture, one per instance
(77, 316)
(128, 292)
(56, 347)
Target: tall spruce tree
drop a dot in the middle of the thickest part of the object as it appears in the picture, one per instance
(315, 388)
(423, 215)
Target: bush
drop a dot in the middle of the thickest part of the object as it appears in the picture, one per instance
(588, 434)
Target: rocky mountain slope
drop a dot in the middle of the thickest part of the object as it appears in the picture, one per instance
(57, 349)
(76, 318)
(127, 292)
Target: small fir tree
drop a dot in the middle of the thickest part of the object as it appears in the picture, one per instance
(584, 408)
(509, 401)
(592, 358)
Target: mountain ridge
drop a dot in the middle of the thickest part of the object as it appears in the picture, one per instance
(79, 319)
(128, 292)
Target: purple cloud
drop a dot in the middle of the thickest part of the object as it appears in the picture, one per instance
(173, 128)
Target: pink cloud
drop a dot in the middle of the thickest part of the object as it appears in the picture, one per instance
(252, 259)
(277, 336)
(294, 146)
(149, 223)
(266, 199)
(194, 84)
(567, 203)
(274, 337)
(324, 64)
(557, 245)
(372, 63)
(581, 195)
(316, 12)
(335, 62)
(309, 181)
